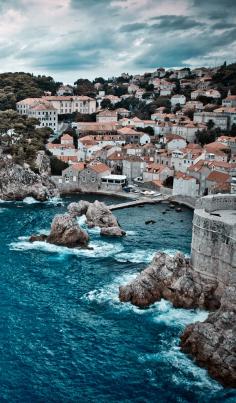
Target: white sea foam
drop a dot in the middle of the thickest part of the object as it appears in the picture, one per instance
(110, 292)
(137, 256)
(100, 249)
(30, 200)
(185, 372)
(131, 232)
(55, 201)
(177, 317)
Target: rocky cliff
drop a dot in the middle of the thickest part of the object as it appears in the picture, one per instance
(208, 280)
(18, 182)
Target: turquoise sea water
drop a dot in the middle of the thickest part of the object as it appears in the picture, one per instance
(65, 337)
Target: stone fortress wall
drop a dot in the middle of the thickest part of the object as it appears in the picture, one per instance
(213, 252)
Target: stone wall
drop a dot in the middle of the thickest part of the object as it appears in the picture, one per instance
(217, 202)
(213, 251)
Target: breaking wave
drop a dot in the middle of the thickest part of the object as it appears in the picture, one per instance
(100, 249)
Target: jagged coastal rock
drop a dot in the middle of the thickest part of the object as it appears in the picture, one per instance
(18, 182)
(171, 278)
(97, 215)
(207, 280)
(112, 231)
(65, 231)
(212, 342)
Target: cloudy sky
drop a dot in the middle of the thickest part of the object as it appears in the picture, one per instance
(69, 39)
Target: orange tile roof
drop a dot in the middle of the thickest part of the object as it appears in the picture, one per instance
(99, 168)
(66, 137)
(219, 177)
(179, 175)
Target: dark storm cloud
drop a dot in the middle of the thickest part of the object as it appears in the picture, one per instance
(215, 9)
(133, 27)
(175, 23)
(114, 35)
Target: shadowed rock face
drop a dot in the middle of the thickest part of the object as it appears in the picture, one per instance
(66, 231)
(213, 342)
(171, 278)
(17, 183)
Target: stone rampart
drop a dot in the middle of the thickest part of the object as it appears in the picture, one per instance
(213, 252)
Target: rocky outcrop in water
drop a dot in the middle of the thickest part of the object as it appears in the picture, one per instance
(65, 231)
(213, 342)
(18, 182)
(208, 281)
(97, 215)
(78, 209)
(171, 278)
(112, 231)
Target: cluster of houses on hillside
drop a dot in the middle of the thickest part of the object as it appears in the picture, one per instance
(109, 162)
(159, 153)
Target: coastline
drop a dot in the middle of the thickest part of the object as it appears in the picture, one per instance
(179, 200)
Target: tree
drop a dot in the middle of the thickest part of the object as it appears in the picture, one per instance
(206, 136)
(84, 87)
(99, 80)
(57, 166)
(149, 130)
(106, 104)
(210, 124)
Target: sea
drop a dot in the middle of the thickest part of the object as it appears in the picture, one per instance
(64, 334)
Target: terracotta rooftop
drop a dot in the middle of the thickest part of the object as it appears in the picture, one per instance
(219, 177)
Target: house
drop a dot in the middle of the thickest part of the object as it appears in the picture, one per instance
(113, 99)
(70, 175)
(66, 139)
(115, 162)
(163, 157)
(65, 151)
(133, 149)
(187, 130)
(113, 183)
(229, 101)
(95, 128)
(178, 100)
(133, 136)
(185, 185)
(219, 119)
(194, 106)
(210, 93)
(218, 182)
(182, 159)
(63, 104)
(156, 171)
(90, 176)
(200, 170)
(122, 112)
(106, 116)
(230, 112)
(133, 167)
(87, 147)
(41, 110)
(65, 90)
(174, 142)
(132, 88)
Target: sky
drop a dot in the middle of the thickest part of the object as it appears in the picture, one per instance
(71, 39)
